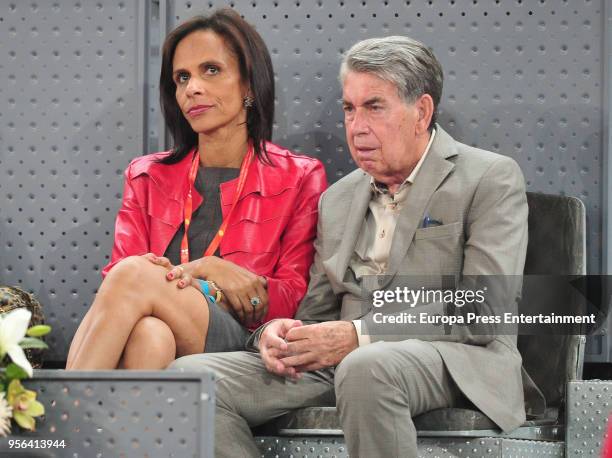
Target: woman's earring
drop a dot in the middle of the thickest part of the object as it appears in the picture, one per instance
(247, 101)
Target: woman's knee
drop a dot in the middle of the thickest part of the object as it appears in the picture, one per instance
(132, 279)
(129, 271)
(150, 338)
(155, 332)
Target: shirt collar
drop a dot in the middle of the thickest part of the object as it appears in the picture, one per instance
(381, 188)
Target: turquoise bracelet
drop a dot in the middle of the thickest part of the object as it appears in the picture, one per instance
(205, 286)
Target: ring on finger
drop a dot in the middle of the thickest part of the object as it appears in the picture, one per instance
(182, 271)
(255, 301)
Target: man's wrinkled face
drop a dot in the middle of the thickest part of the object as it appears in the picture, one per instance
(381, 129)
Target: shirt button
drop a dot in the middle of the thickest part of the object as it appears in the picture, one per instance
(382, 234)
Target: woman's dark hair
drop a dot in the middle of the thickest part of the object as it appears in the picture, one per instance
(255, 70)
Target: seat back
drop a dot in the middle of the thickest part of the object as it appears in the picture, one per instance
(557, 246)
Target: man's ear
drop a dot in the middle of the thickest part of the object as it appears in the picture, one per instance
(425, 109)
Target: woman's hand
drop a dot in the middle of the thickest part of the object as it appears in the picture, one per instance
(184, 274)
(238, 285)
(241, 287)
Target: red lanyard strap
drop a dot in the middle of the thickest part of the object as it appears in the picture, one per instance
(193, 171)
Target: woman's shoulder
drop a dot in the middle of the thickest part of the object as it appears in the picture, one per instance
(148, 164)
(289, 160)
(291, 170)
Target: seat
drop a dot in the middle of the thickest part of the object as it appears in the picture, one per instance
(556, 247)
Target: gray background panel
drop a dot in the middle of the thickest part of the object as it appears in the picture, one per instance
(70, 120)
(78, 100)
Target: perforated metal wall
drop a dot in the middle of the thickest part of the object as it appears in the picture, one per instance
(324, 447)
(524, 78)
(589, 406)
(121, 414)
(71, 117)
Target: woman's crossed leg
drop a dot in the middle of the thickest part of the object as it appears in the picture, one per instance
(139, 320)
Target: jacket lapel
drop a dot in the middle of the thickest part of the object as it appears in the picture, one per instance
(354, 221)
(434, 170)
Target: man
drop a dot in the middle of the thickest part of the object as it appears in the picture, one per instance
(419, 204)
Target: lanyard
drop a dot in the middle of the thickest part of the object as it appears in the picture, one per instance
(193, 171)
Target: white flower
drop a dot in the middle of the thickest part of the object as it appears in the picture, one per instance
(13, 327)
(6, 412)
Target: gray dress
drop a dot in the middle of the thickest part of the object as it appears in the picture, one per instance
(225, 333)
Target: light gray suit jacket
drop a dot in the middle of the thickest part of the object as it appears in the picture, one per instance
(479, 197)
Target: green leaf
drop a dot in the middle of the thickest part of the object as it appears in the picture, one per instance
(13, 371)
(32, 342)
(39, 330)
(35, 409)
(25, 421)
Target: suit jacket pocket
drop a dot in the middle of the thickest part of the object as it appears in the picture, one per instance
(438, 250)
(446, 230)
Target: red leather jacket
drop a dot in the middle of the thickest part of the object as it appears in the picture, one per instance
(271, 232)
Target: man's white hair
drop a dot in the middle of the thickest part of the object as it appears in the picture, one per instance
(402, 61)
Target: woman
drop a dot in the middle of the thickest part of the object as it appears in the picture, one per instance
(233, 215)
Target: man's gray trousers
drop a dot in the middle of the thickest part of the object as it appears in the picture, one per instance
(378, 388)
